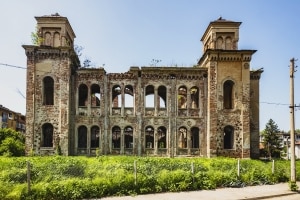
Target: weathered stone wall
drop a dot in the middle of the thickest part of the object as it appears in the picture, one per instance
(188, 116)
(139, 117)
(54, 63)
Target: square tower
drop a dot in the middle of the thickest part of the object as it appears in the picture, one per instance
(221, 34)
(55, 31)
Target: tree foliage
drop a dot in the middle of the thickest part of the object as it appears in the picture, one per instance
(12, 143)
(271, 139)
(35, 38)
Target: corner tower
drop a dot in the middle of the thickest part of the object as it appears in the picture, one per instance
(228, 104)
(51, 64)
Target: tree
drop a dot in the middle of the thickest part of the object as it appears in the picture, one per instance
(35, 38)
(271, 139)
(12, 143)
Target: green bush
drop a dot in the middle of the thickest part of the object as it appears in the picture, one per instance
(12, 143)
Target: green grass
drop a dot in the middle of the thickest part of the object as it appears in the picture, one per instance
(59, 177)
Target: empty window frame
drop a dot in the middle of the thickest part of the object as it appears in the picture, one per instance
(82, 95)
(182, 97)
(95, 137)
(116, 137)
(129, 96)
(162, 137)
(228, 94)
(95, 95)
(48, 90)
(228, 137)
(182, 137)
(149, 93)
(47, 135)
(149, 137)
(128, 137)
(162, 97)
(116, 96)
(82, 137)
(194, 97)
(195, 138)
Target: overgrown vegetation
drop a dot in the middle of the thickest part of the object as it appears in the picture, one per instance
(12, 143)
(61, 177)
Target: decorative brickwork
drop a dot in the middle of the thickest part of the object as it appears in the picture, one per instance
(207, 110)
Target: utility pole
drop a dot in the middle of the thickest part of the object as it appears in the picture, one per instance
(292, 122)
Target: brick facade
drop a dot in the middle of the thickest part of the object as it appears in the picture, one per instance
(163, 111)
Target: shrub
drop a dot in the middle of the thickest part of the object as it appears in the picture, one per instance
(12, 143)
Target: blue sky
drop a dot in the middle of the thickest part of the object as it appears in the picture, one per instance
(124, 33)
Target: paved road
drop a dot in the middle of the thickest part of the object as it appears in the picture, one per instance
(276, 192)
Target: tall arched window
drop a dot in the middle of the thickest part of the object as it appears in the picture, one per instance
(194, 97)
(149, 137)
(47, 135)
(128, 137)
(228, 43)
(48, 91)
(82, 95)
(116, 96)
(228, 94)
(95, 137)
(129, 96)
(228, 137)
(182, 97)
(95, 95)
(219, 43)
(48, 39)
(195, 137)
(162, 137)
(56, 40)
(162, 95)
(182, 137)
(82, 137)
(116, 137)
(149, 96)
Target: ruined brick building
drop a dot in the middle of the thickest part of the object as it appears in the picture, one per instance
(207, 110)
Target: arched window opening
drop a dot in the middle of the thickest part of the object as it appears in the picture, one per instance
(82, 137)
(47, 135)
(195, 138)
(162, 137)
(48, 39)
(228, 94)
(82, 95)
(162, 95)
(95, 137)
(129, 96)
(182, 137)
(194, 97)
(149, 135)
(48, 83)
(56, 40)
(219, 43)
(116, 96)
(182, 97)
(95, 95)
(228, 137)
(228, 43)
(128, 137)
(116, 137)
(149, 96)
